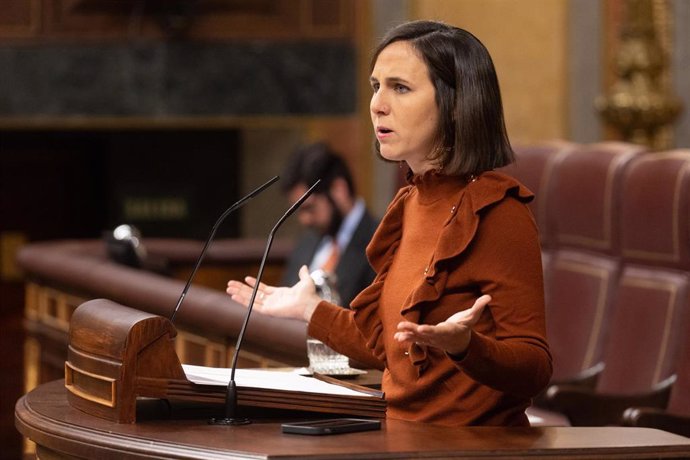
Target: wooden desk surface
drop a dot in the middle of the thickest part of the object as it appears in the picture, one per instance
(61, 431)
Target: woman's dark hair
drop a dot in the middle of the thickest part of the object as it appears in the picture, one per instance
(472, 134)
(316, 161)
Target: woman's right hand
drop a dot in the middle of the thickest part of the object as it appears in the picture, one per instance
(298, 301)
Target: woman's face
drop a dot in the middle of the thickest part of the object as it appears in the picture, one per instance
(403, 107)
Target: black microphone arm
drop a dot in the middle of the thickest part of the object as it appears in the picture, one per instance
(222, 217)
(231, 395)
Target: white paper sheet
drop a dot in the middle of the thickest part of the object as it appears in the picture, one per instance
(265, 378)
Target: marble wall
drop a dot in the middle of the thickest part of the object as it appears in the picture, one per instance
(178, 79)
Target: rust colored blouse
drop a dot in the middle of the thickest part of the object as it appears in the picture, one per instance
(442, 243)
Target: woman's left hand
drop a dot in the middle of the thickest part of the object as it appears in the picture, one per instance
(452, 335)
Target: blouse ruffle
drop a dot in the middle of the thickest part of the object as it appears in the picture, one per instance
(459, 230)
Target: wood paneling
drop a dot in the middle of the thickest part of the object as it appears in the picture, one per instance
(20, 18)
(196, 20)
(527, 40)
(11, 387)
(47, 316)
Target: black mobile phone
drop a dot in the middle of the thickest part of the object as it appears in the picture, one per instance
(331, 426)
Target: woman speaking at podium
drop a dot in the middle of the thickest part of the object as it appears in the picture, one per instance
(455, 315)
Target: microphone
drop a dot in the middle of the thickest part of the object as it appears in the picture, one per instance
(231, 417)
(222, 217)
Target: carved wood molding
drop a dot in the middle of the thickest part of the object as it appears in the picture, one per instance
(173, 19)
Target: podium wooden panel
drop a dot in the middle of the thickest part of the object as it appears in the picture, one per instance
(61, 431)
(117, 355)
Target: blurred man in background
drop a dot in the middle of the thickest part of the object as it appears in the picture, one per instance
(338, 225)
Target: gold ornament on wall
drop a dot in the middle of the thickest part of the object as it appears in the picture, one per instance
(639, 103)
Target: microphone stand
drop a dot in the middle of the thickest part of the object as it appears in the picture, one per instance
(232, 208)
(231, 417)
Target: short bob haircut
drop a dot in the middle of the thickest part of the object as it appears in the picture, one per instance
(472, 136)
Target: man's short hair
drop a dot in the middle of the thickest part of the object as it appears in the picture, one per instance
(316, 161)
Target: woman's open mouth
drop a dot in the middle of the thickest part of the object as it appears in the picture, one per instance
(382, 132)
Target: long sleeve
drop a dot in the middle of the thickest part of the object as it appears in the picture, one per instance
(508, 352)
(335, 326)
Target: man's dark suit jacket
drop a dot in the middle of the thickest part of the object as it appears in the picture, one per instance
(353, 271)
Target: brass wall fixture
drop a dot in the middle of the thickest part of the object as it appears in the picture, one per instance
(639, 103)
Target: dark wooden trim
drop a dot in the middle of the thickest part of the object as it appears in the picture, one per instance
(45, 416)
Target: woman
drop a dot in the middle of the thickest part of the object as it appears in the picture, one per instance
(455, 315)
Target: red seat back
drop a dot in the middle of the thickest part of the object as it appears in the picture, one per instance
(582, 217)
(653, 293)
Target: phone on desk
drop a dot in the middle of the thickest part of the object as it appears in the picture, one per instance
(331, 426)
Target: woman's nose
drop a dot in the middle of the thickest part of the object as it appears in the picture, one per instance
(378, 104)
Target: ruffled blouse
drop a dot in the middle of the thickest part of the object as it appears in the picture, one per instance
(485, 242)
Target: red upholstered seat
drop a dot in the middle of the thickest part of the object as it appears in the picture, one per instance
(654, 284)
(676, 416)
(583, 223)
(652, 295)
(533, 167)
(662, 181)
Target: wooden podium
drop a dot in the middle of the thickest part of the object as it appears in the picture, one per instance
(117, 354)
(64, 432)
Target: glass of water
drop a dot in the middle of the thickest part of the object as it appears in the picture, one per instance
(322, 358)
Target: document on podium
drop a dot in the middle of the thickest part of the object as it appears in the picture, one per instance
(267, 379)
(277, 388)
